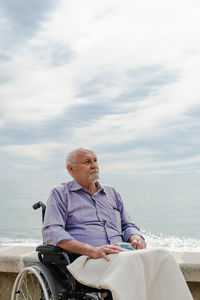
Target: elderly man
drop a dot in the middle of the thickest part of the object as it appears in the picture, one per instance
(85, 217)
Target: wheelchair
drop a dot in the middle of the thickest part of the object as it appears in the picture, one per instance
(49, 278)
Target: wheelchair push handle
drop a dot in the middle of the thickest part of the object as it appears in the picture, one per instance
(38, 205)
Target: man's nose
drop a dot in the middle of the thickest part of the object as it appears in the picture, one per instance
(94, 164)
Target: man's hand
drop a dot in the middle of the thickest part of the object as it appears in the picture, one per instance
(98, 252)
(75, 246)
(137, 241)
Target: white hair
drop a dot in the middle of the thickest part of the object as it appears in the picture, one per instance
(71, 156)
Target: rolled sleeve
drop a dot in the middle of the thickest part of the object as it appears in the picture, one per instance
(130, 231)
(55, 219)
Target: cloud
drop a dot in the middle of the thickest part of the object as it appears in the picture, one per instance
(76, 116)
(103, 80)
(20, 20)
(126, 87)
(4, 78)
(25, 16)
(52, 53)
(4, 58)
(140, 162)
(61, 55)
(38, 151)
(146, 81)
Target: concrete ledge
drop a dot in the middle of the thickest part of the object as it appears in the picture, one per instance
(189, 263)
(13, 259)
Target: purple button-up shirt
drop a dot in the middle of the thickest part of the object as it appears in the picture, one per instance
(98, 219)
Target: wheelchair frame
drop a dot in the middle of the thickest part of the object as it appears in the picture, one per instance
(49, 278)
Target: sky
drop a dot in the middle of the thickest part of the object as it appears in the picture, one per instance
(119, 77)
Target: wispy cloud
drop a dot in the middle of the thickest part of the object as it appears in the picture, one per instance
(21, 20)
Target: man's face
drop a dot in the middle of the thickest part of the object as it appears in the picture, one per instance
(86, 170)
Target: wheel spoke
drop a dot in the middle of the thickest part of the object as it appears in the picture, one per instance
(27, 292)
(28, 295)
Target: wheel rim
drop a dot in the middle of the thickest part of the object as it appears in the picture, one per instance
(31, 286)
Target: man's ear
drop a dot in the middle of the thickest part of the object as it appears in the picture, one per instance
(69, 169)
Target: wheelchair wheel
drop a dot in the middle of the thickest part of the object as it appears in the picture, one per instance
(34, 282)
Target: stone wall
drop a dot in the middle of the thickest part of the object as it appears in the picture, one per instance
(6, 284)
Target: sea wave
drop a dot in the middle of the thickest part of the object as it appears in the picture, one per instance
(19, 242)
(172, 243)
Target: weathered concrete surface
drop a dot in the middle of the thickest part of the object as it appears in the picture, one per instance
(194, 289)
(13, 259)
(189, 263)
(6, 284)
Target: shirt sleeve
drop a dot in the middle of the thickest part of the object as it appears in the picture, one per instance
(56, 214)
(128, 227)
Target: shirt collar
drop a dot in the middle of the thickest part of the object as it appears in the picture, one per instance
(75, 186)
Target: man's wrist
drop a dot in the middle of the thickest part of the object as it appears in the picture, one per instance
(90, 250)
(134, 236)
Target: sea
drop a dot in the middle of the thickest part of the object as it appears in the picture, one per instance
(166, 209)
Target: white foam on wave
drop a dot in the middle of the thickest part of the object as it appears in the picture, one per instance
(19, 242)
(173, 243)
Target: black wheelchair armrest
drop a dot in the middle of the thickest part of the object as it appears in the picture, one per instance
(55, 255)
(45, 249)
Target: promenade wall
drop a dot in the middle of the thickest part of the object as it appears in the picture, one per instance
(13, 259)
